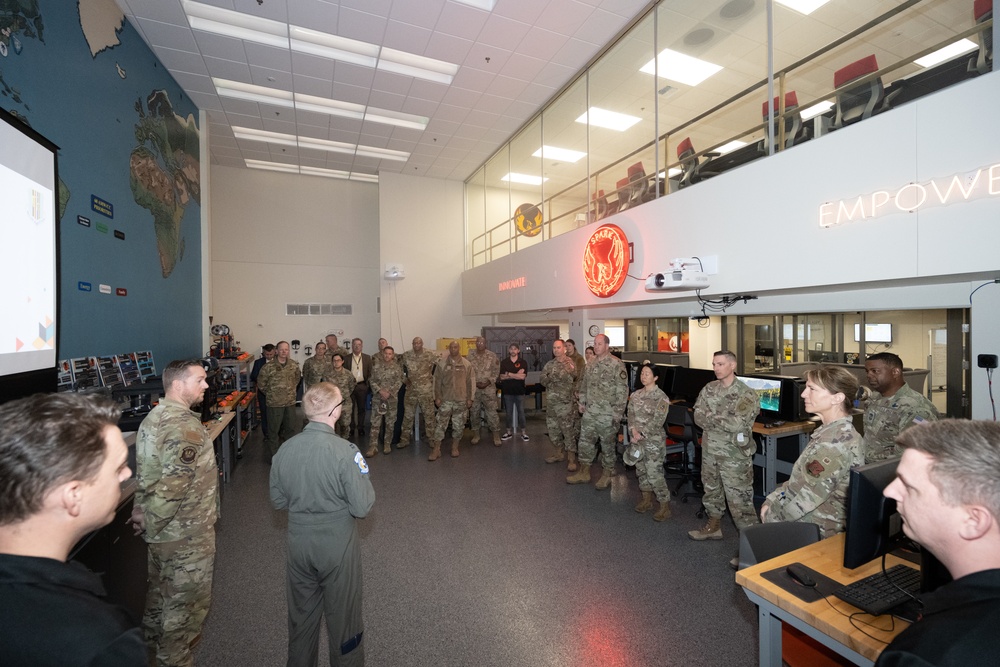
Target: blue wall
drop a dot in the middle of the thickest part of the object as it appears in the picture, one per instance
(127, 136)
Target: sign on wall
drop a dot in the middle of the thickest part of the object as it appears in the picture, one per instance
(605, 260)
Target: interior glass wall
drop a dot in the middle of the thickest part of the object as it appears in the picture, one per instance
(565, 163)
(526, 185)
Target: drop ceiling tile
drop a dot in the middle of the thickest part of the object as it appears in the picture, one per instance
(227, 161)
(600, 27)
(195, 83)
(504, 86)
(228, 69)
(361, 25)
(354, 75)
(575, 53)
(220, 46)
(472, 79)
(270, 57)
(461, 21)
(427, 90)
(480, 120)
(419, 107)
(503, 32)
(346, 93)
(480, 52)
(244, 107)
(166, 11)
(240, 120)
(541, 43)
(312, 86)
(313, 66)
(221, 149)
(423, 14)
(522, 67)
(554, 75)
(448, 48)
(277, 125)
(181, 61)
(168, 35)
(383, 100)
(406, 37)
(565, 16)
(457, 97)
(314, 14)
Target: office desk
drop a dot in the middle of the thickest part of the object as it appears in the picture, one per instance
(817, 619)
(768, 458)
(220, 427)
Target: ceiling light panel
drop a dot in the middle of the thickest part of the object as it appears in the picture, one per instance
(523, 179)
(953, 50)
(806, 7)
(235, 24)
(680, 67)
(333, 47)
(610, 120)
(559, 154)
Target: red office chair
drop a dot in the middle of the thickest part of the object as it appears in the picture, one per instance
(599, 205)
(624, 190)
(689, 163)
(793, 122)
(861, 101)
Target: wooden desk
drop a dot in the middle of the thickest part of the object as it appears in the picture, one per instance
(218, 428)
(768, 458)
(819, 620)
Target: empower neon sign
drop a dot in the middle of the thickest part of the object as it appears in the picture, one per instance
(981, 183)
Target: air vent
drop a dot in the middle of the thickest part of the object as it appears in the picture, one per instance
(319, 309)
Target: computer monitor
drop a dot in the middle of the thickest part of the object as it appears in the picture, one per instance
(688, 383)
(872, 520)
(768, 393)
(874, 333)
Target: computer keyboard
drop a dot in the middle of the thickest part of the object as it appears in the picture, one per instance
(876, 594)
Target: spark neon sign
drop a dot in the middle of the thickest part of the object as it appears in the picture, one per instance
(605, 261)
(979, 184)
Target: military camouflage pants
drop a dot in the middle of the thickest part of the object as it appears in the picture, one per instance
(282, 423)
(180, 589)
(413, 398)
(344, 423)
(727, 474)
(485, 400)
(596, 426)
(559, 420)
(457, 413)
(649, 470)
(576, 428)
(390, 419)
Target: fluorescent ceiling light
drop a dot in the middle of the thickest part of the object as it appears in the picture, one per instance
(273, 166)
(251, 134)
(806, 7)
(524, 179)
(559, 154)
(329, 173)
(401, 62)
(730, 147)
(681, 68)
(329, 106)
(397, 118)
(816, 109)
(953, 50)
(235, 24)
(248, 91)
(325, 45)
(365, 178)
(611, 120)
(479, 4)
(382, 153)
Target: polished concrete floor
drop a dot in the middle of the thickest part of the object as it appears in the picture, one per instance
(492, 559)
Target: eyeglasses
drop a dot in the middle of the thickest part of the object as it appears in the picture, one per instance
(342, 401)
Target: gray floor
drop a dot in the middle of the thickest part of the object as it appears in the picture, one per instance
(492, 559)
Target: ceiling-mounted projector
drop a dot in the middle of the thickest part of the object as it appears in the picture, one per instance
(679, 277)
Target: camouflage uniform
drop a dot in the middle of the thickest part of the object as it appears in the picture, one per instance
(581, 368)
(280, 382)
(560, 406)
(178, 492)
(816, 492)
(343, 352)
(345, 381)
(388, 376)
(487, 369)
(888, 416)
(727, 416)
(603, 394)
(454, 384)
(419, 391)
(316, 370)
(647, 412)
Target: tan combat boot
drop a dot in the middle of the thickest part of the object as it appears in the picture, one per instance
(581, 476)
(605, 481)
(557, 457)
(372, 451)
(571, 466)
(387, 449)
(475, 436)
(646, 503)
(454, 448)
(496, 438)
(435, 451)
(402, 444)
(664, 513)
(711, 531)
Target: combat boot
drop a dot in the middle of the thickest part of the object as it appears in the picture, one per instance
(605, 480)
(435, 451)
(387, 449)
(496, 438)
(402, 444)
(557, 457)
(454, 448)
(475, 436)
(646, 503)
(581, 476)
(663, 513)
(571, 466)
(711, 531)
(372, 451)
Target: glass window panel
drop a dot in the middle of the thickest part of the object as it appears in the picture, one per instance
(566, 188)
(527, 186)
(498, 204)
(475, 217)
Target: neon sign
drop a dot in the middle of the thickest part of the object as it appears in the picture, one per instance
(978, 184)
(512, 284)
(606, 260)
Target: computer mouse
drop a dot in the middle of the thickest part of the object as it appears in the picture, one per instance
(800, 574)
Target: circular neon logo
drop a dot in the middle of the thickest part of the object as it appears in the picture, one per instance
(605, 260)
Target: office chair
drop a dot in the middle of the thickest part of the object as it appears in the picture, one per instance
(861, 101)
(599, 205)
(794, 129)
(682, 438)
(624, 190)
(641, 192)
(982, 11)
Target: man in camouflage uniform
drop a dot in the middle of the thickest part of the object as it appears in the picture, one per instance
(892, 408)
(333, 346)
(280, 379)
(378, 357)
(486, 366)
(581, 366)
(317, 368)
(176, 506)
(725, 410)
(603, 395)
(345, 381)
(559, 379)
(418, 368)
(385, 381)
(454, 384)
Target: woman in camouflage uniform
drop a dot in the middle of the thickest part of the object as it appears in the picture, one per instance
(647, 412)
(817, 489)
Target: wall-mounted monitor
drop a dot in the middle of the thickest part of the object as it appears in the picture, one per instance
(874, 333)
(29, 261)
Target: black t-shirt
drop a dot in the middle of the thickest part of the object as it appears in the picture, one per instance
(511, 386)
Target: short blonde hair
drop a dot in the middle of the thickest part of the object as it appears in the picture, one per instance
(320, 398)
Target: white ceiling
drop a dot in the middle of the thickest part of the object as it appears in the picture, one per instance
(512, 60)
